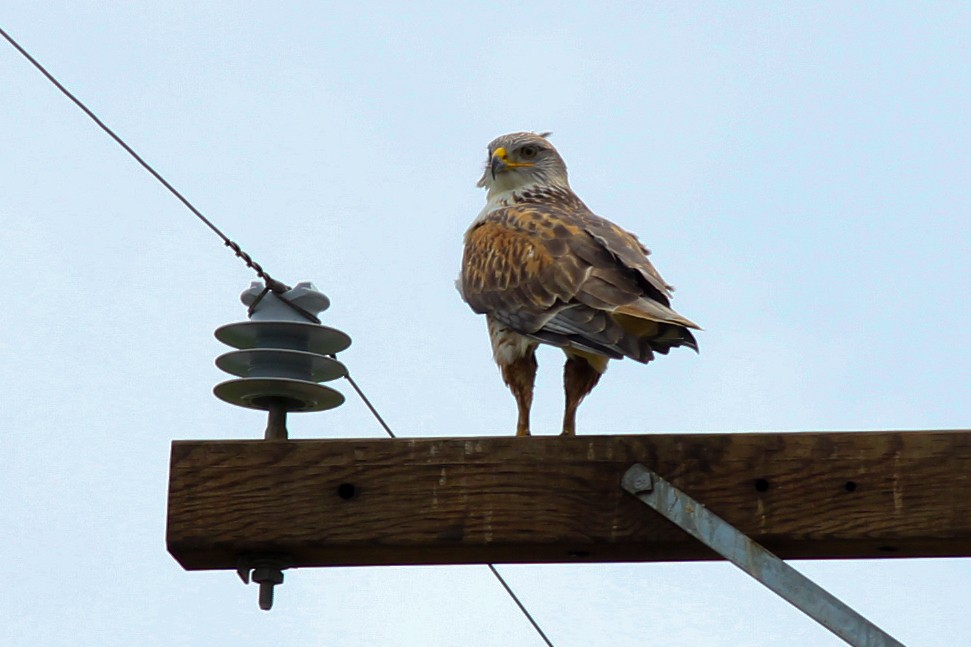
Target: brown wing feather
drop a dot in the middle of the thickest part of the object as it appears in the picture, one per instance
(517, 269)
(629, 251)
(552, 270)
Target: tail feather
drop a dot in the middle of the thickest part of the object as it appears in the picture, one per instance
(653, 311)
(616, 334)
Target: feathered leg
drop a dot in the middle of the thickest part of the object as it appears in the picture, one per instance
(580, 374)
(516, 357)
(519, 375)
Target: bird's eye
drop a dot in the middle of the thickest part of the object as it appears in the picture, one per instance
(528, 151)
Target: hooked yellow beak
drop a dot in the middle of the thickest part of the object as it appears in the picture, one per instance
(500, 162)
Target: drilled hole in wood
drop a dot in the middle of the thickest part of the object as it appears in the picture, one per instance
(761, 485)
(850, 486)
(346, 491)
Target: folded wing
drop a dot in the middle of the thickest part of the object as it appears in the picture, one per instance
(564, 276)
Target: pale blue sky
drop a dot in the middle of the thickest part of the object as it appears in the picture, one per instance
(800, 171)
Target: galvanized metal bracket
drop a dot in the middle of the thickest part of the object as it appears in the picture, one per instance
(754, 559)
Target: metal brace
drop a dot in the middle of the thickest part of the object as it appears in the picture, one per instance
(267, 571)
(754, 559)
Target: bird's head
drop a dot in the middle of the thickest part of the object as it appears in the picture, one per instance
(518, 160)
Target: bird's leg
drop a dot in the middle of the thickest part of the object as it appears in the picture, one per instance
(519, 376)
(579, 378)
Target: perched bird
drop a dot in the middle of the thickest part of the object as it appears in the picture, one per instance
(543, 268)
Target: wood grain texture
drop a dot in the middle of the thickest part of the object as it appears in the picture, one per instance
(558, 499)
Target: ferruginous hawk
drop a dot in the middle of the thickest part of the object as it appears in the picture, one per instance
(543, 268)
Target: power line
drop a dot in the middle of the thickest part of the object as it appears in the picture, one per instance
(271, 283)
(492, 567)
(529, 616)
(370, 406)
